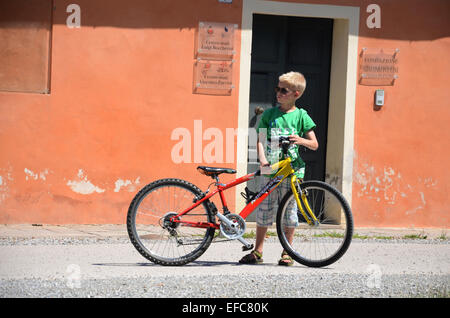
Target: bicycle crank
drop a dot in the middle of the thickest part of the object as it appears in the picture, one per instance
(234, 227)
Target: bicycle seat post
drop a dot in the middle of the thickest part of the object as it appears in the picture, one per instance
(216, 177)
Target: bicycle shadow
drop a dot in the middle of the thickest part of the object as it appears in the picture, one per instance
(192, 264)
(201, 264)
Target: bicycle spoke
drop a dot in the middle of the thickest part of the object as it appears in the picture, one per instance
(156, 235)
(153, 214)
(322, 243)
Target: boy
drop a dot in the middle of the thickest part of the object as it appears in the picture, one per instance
(284, 120)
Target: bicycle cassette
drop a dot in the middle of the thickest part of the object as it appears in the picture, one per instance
(236, 230)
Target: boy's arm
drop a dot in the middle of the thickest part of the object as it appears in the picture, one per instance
(309, 142)
(261, 149)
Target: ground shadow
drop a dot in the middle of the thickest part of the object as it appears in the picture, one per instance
(193, 264)
(203, 264)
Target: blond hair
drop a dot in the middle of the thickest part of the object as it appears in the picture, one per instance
(294, 80)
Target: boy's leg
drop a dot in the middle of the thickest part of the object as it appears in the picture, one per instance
(260, 236)
(255, 256)
(291, 222)
(264, 218)
(271, 208)
(265, 211)
(289, 233)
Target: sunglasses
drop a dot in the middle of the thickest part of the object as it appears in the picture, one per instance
(282, 90)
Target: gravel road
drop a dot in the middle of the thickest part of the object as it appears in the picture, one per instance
(111, 267)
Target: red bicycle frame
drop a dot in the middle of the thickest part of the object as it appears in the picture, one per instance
(220, 188)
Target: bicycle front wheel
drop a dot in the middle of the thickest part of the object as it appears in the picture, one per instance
(319, 244)
(159, 239)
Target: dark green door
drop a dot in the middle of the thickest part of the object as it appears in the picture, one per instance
(281, 44)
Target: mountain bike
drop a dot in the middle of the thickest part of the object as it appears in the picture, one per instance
(173, 222)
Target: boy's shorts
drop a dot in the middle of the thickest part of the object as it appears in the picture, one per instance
(268, 208)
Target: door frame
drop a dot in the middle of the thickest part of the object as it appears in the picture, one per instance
(343, 81)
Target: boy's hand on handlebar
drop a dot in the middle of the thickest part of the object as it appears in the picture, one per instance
(295, 139)
(263, 163)
(265, 168)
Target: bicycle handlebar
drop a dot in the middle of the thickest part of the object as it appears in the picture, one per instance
(283, 141)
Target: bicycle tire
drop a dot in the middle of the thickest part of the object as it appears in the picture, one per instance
(156, 228)
(309, 237)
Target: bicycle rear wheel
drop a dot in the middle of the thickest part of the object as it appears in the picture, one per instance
(321, 244)
(152, 232)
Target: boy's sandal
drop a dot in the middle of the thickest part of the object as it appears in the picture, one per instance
(285, 260)
(253, 258)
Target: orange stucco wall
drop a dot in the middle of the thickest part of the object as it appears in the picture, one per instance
(122, 83)
(401, 151)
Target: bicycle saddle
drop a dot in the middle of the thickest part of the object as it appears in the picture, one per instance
(211, 171)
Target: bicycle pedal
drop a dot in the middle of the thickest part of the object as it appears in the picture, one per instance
(247, 248)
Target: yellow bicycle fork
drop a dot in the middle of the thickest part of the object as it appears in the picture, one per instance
(285, 169)
(309, 216)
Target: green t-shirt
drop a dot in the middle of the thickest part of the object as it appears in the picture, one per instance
(278, 123)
